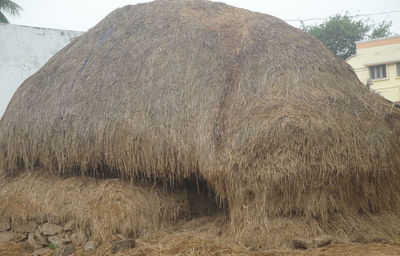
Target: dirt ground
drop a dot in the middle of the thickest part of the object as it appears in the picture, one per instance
(198, 237)
(187, 244)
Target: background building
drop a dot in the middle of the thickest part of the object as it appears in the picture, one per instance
(23, 50)
(377, 64)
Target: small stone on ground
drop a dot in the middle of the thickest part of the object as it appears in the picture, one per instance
(31, 241)
(122, 245)
(317, 242)
(322, 241)
(65, 250)
(40, 239)
(50, 229)
(69, 225)
(19, 237)
(78, 238)
(301, 244)
(5, 224)
(90, 246)
(6, 236)
(26, 227)
(59, 239)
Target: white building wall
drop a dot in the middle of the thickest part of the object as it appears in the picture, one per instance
(23, 50)
(379, 51)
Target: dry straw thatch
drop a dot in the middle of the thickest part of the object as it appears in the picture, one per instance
(100, 208)
(178, 90)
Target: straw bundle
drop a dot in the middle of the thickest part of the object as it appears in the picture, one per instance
(99, 208)
(171, 91)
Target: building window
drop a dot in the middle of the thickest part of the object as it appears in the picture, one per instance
(398, 68)
(377, 72)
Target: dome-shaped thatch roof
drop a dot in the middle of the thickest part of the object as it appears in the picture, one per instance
(264, 113)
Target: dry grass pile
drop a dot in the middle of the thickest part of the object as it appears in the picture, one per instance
(175, 90)
(100, 208)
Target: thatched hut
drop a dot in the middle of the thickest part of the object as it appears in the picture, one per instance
(262, 113)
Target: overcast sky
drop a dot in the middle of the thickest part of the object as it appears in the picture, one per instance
(82, 15)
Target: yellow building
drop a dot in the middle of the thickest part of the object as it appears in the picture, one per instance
(377, 64)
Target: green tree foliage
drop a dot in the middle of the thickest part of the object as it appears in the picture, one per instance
(340, 32)
(7, 6)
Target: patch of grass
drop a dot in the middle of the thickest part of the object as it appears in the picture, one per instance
(53, 246)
